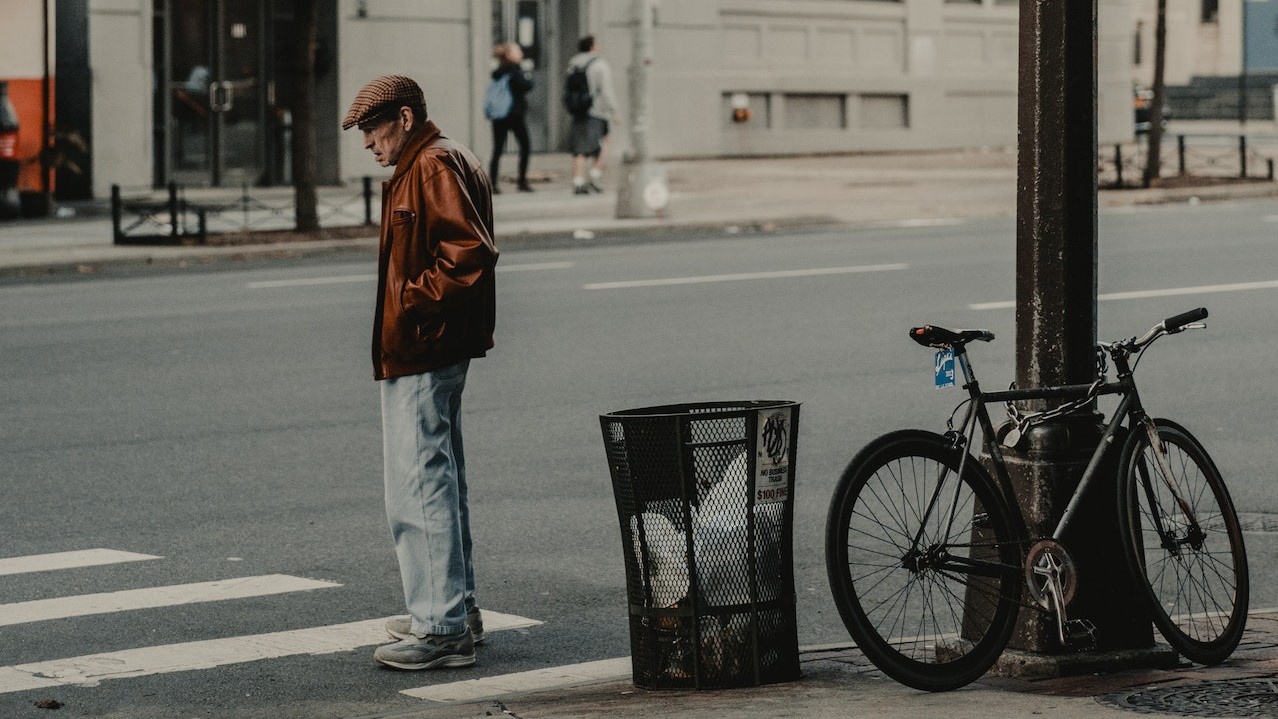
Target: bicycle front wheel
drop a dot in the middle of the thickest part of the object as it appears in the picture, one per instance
(1184, 543)
(922, 562)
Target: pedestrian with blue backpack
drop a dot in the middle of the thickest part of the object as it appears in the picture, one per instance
(505, 105)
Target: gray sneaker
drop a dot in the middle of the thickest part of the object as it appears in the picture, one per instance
(431, 652)
(402, 627)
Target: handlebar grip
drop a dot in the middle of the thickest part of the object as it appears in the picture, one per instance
(1177, 322)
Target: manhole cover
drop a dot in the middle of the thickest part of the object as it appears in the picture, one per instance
(1248, 698)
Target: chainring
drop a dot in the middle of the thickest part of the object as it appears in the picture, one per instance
(1044, 557)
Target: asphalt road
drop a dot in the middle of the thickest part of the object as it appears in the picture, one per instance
(227, 423)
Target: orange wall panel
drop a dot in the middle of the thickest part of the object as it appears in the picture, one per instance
(27, 94)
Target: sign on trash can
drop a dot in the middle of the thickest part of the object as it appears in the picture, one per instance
(704, 496)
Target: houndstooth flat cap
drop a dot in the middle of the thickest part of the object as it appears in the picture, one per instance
(384, 94)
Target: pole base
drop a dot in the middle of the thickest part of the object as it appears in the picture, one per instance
(1033, 665)
(643, 191)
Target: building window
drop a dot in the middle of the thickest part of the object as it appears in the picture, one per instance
(1137, 41)
(815, 112)
(884, 112)
(1211, 11)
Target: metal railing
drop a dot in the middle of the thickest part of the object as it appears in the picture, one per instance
(174, 218)
(1205, 156)
(151, 220)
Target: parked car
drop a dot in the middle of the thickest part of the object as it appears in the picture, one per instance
(1142, 98)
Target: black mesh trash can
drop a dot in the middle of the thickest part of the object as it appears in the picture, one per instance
(705, 498)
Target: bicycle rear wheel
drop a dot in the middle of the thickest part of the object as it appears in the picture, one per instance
(922, 563)
(1194, 570)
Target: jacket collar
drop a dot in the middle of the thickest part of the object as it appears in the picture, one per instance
(418, 142)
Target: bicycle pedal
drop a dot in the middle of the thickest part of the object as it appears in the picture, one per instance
(1080, 635)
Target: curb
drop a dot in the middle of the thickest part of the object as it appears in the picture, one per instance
(536, 232)
(181, 257)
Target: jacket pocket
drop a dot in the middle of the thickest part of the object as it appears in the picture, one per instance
(430, 332)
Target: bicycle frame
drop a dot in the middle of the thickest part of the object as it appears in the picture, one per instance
(1048, 568)
(978, 415)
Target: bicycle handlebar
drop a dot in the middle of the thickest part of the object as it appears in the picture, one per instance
(1171, 326)
(1177, 323)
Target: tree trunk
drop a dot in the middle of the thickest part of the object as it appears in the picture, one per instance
(1153, 159)
(305, 160)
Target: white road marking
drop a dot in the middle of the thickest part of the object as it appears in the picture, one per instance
(536, 680)
(69, 560)
(309, 281)
(920, 222)
(1144, 294)
(535, 266)
(93, 669)
(777, 274)
(345, 279)
(86, 604)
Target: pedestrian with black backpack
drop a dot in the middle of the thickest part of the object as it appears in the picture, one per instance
(505, 105)
(589, 98)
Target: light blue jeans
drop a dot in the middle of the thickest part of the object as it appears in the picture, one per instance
(425, 476)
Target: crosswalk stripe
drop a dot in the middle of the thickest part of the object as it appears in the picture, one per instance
(521, 682)
(151, 597)
(93, 669)
(69, 560)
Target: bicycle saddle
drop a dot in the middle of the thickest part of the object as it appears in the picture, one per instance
(930, 336)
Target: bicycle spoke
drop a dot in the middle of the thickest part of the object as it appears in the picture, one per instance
(1188, 544)
(910, 566)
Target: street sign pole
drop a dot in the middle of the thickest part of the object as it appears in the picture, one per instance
(643, 190)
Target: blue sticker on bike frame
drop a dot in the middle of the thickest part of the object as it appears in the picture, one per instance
(945, 368)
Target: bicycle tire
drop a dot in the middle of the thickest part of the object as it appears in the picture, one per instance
(1197, 586)
(930, 628)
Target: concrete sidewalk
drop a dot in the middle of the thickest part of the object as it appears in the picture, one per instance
(712, 195)
(838, 682)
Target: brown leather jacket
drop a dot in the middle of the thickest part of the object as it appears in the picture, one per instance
(437, 297)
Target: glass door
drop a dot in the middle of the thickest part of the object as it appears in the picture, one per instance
(216, 91)
(239, 124)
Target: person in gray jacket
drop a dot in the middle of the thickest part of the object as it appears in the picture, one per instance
(590, 131)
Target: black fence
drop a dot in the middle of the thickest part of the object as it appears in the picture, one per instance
(1206, 156)
(172, 217)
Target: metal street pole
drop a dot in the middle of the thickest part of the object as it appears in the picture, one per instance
(1242, 72)
(643, 190)
(1056, 278)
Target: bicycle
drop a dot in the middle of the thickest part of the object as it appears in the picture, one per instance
(928, 556)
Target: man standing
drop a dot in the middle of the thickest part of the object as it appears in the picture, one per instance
(590, 129)
(435, 311)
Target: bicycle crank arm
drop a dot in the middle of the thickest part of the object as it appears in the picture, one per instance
(1075, 634)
